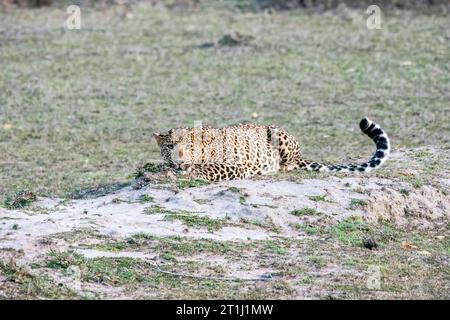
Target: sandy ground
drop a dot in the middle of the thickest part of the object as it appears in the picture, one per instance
(121, 213)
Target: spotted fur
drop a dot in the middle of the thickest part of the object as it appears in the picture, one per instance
(242, 151)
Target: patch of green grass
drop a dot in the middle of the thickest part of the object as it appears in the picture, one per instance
(149, 167)
(144, 198)
(192, 220)
(306, 280)
(20, 200)
(385, 232)
(353, 230)
(355, 203)
(234, 189)
(422, 154)
(404, 192)
(63, 260)
(308, 229)
(191, 183)
(317, 261)
(186, 248)
(242, 200)
(168, 256)
(79, 235)
(351, 263)
(318, 198)
(277, 247)
(268, 224)
(113, 246)
(311, 230)
(418, 182)
(350, 231)
(114, 271)
(23, 285)
(15, 226)
(143, 236)
(156, 209)
(305, 212)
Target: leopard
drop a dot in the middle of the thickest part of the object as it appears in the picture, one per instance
(245, 150)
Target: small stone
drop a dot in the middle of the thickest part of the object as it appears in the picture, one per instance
(131, 241)
(266, 276)
(370, 243)
(407, 245)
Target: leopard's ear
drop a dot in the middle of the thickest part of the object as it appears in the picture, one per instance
(159, 137)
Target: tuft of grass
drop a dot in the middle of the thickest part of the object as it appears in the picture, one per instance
(155, 209)
(277, 247)
(202, 201)
(192, 220)
(63, 260)
(20, 200)
(305, 212)
(310, 230)
(116, 200)
(318, 198)
(191, 183)
(305, 280)
(168, 257)
(404, 192)
(114, 246)
(149, 167)
(317, 261)
(355, 203)
(146, 198)
(234, 189)
(268, 224)
(418, 182)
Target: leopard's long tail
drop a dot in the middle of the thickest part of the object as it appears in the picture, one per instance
(381, 139)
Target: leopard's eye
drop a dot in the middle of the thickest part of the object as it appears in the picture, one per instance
(170, 146)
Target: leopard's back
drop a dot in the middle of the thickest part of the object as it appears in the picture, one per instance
(243, 145)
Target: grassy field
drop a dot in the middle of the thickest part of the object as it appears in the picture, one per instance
(78, 107)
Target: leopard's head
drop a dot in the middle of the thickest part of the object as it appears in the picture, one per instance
(171, 147)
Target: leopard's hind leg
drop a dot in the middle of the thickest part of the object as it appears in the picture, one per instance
(218, 172)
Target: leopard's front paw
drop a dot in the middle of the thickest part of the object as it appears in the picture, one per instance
(171, 175)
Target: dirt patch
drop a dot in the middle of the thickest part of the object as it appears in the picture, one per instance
(423, 208)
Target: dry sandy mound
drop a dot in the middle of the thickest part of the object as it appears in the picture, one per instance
(264, 205)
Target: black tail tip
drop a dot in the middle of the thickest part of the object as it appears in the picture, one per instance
(364, 124)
